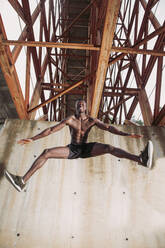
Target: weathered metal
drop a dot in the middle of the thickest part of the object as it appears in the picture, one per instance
(79, 29)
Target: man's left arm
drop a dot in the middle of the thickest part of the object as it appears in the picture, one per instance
(114, 130)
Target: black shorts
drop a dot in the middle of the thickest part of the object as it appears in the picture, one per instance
(80, 151)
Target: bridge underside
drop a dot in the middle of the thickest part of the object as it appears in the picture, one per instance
(110, 53)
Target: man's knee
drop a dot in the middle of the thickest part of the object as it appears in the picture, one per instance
(109, 148)
(46, 153)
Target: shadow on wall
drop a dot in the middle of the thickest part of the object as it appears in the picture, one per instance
(1, 125)
(2, 168)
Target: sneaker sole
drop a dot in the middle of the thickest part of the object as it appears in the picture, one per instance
(150, 154)
(10, 179)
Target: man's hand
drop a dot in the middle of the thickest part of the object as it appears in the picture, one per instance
(133, 135)
(24, 141)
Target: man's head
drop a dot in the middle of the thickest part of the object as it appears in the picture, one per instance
(80, 106)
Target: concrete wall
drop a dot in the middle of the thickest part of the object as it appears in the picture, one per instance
(84, 203)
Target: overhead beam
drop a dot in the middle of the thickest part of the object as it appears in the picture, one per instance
(73, 86)
(142, 42)
(118, 104)
(107, 39)
(18, 8)
(51, 44)
(78, 46)
(146, 73)
(76, 19)
(151, 16)
(160, 120)
(17, 49)
(129, 50)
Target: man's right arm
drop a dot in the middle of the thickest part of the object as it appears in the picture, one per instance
(46, 132)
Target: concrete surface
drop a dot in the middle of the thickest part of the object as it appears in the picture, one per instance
(84, 203)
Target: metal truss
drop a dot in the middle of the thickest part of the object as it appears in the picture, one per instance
(102, 51)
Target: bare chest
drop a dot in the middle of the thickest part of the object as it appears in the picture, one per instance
(81, 127)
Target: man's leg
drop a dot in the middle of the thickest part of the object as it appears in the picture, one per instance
(100, 149)
(57, 152)
(20, 182)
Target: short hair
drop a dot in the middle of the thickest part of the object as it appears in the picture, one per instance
(79, 100)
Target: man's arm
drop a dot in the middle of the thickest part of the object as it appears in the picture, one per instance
(114, 130)
(45, 132)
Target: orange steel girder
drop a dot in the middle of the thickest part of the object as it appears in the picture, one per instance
(11, 76)
(110, 53)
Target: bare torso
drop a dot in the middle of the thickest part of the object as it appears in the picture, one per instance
(79, 128)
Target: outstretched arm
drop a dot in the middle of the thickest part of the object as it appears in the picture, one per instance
(114, 130)
(45, 132)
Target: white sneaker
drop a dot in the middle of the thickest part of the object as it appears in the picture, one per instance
(16, 181)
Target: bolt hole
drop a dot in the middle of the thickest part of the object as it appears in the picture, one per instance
(18, 234)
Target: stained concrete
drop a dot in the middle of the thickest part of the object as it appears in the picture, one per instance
(84, 203)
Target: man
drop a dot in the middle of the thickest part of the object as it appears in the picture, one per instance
(79, 124)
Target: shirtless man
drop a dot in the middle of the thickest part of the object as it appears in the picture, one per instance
(79, 124)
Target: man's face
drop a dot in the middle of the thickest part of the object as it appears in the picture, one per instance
(80, 106)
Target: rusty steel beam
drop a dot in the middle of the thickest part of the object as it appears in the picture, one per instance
(73, 92)
(124, 86)
(112, 94)
(147, 73)
(98, 51)
(142, 42)
(77, 17)
(27, 82)
(30, 36)
(107, 39)
(116, 106)
(160, 119)
(51, 44)
(152, 17)
(158, 87)
(17, 49)
(18, 8)
(73, 86)
(143, 99)
(65, 74)
(47, 38)
(11, 76)
(129, 50)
